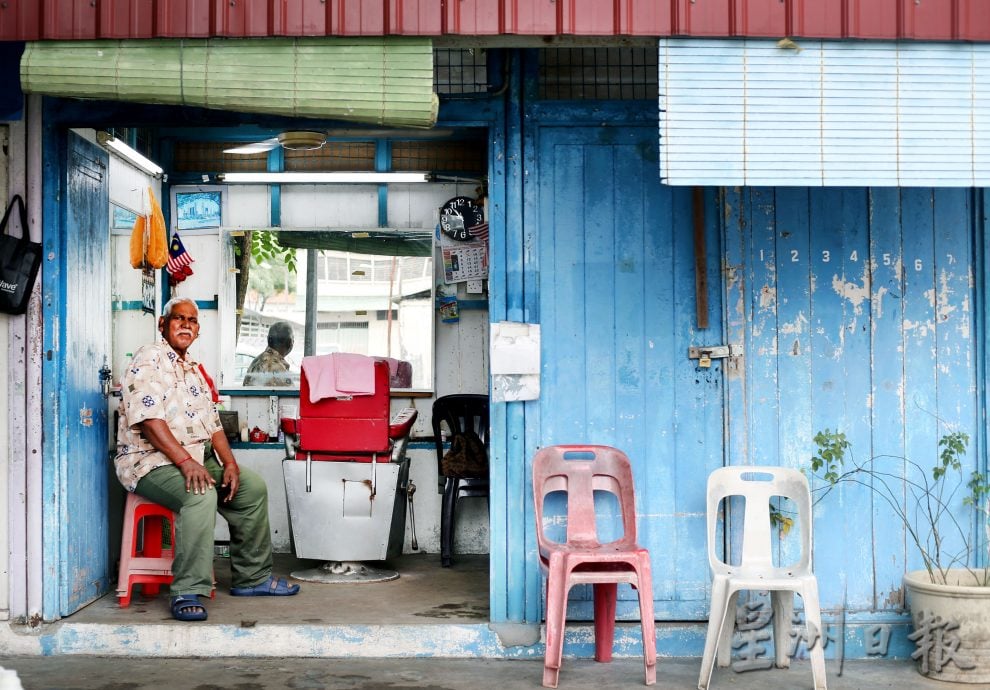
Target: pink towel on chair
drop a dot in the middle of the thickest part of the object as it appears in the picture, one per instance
(339, 374)
(355, 373)
(399, 372)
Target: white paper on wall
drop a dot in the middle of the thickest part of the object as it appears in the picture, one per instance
(515, 361)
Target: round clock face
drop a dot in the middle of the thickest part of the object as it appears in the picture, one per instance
(458, 215)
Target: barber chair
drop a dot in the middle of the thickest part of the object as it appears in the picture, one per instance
(347, 481)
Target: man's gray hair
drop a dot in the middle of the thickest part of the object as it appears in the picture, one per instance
(280, 335)
(170, 305)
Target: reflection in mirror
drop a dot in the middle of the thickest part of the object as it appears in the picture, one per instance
(303, 292)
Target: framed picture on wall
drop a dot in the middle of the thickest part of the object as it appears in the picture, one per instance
(198, 208)
(148, 290)
(121, 217)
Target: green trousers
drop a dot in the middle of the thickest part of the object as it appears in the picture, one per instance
(196, 517)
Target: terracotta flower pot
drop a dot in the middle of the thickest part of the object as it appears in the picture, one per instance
(950, 625)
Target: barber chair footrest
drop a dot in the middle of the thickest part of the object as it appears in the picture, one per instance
(353, 572)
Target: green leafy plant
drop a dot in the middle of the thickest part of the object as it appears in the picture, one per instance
(266, 248)
(832, 447)
(926, 502)
(261, 248)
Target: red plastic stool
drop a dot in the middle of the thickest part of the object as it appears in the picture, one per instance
(145, 557)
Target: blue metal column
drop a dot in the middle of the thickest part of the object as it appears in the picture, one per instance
(507, 286)
(981, 245)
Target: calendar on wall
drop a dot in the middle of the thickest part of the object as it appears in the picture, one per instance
(465, 261)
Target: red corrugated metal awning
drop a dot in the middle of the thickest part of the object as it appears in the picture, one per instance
(950, 20)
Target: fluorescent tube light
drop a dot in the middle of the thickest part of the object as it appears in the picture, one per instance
(129, 154)
(324, 177)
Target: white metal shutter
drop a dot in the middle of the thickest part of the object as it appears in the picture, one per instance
(824, 113)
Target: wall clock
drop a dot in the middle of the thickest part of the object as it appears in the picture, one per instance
(459, 214)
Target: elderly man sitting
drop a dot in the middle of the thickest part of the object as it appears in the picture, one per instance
(172, 450)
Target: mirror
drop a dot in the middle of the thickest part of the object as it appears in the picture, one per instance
(352, 289)
(373, 296)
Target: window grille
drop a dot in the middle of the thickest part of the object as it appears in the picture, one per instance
(333, 156)
(598, 73)
(136, 137)
(468, 156)
(208, 157)
(336, 268)
(441, 156)
(341, 325)
(460, 71)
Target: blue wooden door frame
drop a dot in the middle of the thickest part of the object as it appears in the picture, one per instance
(75, 449)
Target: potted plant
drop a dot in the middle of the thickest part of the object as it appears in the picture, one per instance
(949, 598)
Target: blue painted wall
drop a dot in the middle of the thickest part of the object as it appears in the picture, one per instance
(850, 309)
(855, 309)
(617, 308)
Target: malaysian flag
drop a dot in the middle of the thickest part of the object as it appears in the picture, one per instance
(479, 232)
(178, 260)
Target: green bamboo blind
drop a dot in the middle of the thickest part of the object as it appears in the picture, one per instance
(383, 81)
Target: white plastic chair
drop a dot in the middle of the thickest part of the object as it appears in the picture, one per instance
(756, 571)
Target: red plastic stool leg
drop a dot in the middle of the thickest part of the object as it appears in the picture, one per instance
(152, 548)
(605, 594)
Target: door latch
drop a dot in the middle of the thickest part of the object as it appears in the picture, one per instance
(706, 353)
(105, 378)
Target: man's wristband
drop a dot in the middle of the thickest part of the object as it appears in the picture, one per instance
(179, 462)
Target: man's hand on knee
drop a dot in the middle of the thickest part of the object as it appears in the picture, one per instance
(198, 480)
(231, 481)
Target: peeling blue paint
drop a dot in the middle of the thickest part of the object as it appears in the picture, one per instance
(857, 318)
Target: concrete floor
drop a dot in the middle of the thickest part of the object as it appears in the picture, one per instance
(90, 673)
(412, 599)
(427, 629)
(427, 611)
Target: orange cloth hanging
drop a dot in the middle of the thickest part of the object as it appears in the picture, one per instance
(149, 241)
(138, 242)
(157, 236)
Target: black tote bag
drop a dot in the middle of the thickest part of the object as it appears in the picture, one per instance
(20, 259)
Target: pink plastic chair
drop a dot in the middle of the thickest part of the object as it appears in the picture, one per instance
(580, 471)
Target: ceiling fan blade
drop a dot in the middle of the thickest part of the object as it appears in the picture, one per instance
(255, 147)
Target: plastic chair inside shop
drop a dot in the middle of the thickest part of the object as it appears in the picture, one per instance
(579, 472)
(347, 475)
(460, 412)
(756, 569)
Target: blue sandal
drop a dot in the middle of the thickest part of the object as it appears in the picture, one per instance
(272, 587)
(184, 608)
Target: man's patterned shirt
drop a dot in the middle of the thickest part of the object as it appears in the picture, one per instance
(159, 385)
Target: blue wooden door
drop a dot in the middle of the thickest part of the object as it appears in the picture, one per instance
(78, 341)
(856, 311)
(618, 309)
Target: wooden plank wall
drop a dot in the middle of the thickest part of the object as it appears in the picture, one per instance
(618, 314)
(855, 312)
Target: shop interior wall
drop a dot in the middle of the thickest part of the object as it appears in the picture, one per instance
(460, 353)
